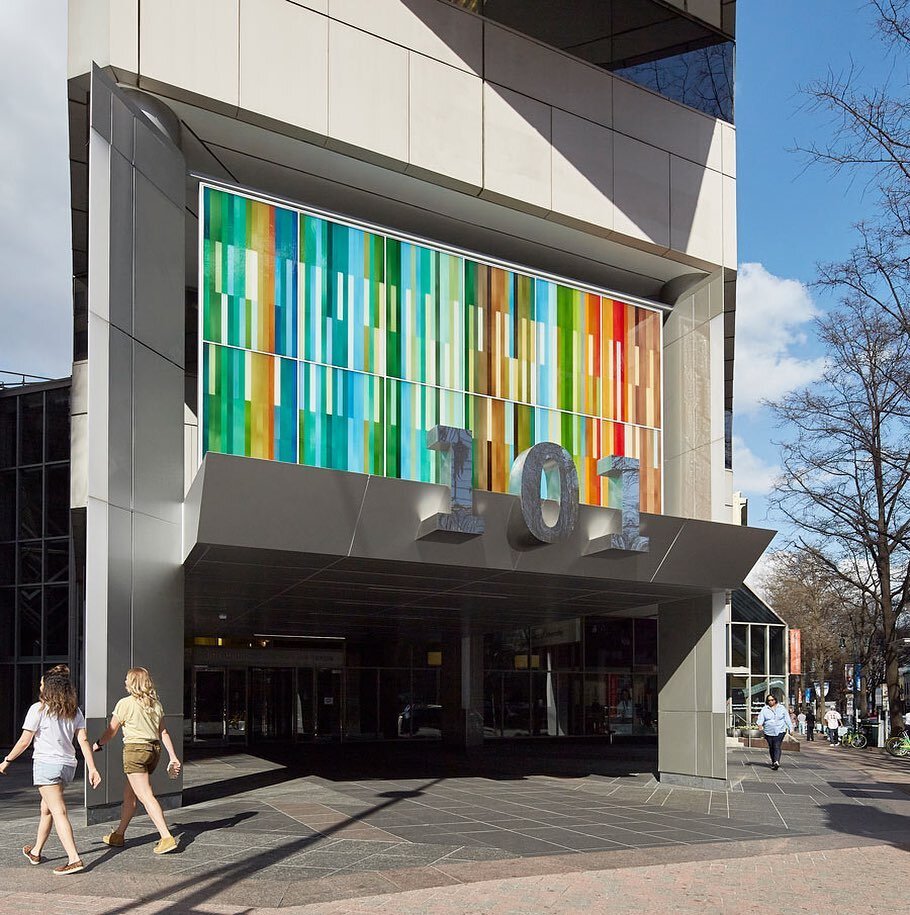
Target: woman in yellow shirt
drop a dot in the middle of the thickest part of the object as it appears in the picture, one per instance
(141, 717)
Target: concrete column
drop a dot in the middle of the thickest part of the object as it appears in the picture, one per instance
(462, 691)
(691, 741)
(133, 461)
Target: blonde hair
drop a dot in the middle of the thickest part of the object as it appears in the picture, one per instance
(141, 686)
(57, 693)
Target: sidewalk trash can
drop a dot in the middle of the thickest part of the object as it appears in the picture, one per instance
(869, 727)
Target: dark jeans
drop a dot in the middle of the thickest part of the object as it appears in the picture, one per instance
(810, 732)
(833, 736)
(774, 746)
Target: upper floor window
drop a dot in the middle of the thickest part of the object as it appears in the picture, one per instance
(654, 43)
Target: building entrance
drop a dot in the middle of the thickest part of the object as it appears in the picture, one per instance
(240, 705)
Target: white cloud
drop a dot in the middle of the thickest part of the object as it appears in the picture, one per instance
(35, 259)
(751, 474)
(771, 318)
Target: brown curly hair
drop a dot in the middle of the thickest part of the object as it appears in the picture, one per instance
(57, 694)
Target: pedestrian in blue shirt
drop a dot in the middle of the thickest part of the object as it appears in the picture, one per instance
(774, 721)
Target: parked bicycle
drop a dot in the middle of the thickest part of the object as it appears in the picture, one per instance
(855, 739)
(898, 745)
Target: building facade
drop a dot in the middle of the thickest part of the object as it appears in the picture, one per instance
(38, 623)
(404, 351)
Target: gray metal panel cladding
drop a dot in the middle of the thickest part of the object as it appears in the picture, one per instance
(136, 301)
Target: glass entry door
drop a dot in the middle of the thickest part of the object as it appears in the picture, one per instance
(271, 703)
(209, 695)
(328, 704)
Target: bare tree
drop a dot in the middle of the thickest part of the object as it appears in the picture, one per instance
(846, 467)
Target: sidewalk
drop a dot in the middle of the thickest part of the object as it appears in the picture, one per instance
(447, 834)
(739, 885)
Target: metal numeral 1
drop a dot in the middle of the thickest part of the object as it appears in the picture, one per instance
(629, 540)
(459, 522)
(525, 479)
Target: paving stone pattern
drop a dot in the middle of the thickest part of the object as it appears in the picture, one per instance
(257, 832)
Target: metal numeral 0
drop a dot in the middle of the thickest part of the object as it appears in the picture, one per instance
(459, 522)
(629, 540)
(525, 479)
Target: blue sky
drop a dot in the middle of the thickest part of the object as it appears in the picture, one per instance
(790, 216)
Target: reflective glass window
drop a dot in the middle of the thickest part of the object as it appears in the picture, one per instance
(7, 564)
(516, 704)
(31, 428)
(645, 642)
(56, 560)
(57, 426)
(738, 651)
(57, 500)
(30, 622)
(608, 642)
(7, 505)
(776, 649)
(757, 649)
(7, 431)
(29, 676)
(9, 725)
(31, 503)
(56, 620)
(700, 78)
(30, 555)
(7, 624)
(738, 708)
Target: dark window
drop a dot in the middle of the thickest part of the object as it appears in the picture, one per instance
(738, 646)
(757, 646)
(30, 563)
(7, 505)
(9, 733)
(649, 42)
(57, 500)
(7, 431)
(56, 560)
(30, 503)
(7, 627)
(31, 428)
(56, 620)
(645, 641)
(30, 622)
(7, 564)
(29, 681)
(608, 642)
(57, 430)
(701, 78)
(776, 641)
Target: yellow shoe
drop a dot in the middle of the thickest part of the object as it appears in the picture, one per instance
(166, 845)
(114, 839)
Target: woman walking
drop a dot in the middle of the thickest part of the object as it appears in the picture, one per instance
(142, 718)
(774, 720)
(52, 723)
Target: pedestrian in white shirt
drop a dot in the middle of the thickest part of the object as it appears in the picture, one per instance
(801, 722)
(52, 724)
(832, 723)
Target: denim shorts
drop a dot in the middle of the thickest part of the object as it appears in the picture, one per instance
(52, 773)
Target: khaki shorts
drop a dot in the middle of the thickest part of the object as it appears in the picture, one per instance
(141, 757)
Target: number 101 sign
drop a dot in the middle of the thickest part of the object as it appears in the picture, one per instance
(545, 460)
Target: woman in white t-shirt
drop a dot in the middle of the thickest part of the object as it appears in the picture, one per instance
(52, 723)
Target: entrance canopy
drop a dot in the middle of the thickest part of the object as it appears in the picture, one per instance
(281, 549)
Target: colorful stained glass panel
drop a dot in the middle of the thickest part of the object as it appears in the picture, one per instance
(392, 337)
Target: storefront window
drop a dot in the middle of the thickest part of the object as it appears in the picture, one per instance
(608, 642)
(645, 642)
(737, 707)
(776, 643)
(757, 647)
(738, 650)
